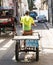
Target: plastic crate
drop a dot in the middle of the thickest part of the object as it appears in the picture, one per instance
(31, 43)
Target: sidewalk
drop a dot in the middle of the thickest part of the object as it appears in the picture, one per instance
(47, 37)
(46, 42)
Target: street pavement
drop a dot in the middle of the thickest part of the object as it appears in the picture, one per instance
(7, 47)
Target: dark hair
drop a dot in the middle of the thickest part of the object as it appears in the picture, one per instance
(27, 13)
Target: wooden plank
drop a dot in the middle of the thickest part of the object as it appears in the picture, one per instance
(31, 37)
(25, 37)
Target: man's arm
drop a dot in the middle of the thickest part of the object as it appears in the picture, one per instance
(21, 22)
(33, 23)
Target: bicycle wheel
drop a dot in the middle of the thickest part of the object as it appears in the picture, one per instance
(17, 50)
(37, 53)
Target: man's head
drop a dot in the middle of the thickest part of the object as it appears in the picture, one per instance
(27, 13)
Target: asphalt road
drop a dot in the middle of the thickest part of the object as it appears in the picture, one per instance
(7, 49)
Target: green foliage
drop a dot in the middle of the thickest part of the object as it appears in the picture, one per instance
(30, 4)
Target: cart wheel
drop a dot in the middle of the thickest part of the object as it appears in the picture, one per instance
(17, 50)
(37, 53)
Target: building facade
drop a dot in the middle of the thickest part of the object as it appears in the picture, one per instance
(44, 4)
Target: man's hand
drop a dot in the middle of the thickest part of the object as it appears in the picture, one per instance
(34, 24)
(20, 25)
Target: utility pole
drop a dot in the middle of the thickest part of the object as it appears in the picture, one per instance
(17, 11)
(0, 2)
(16, 7)
(50, 11)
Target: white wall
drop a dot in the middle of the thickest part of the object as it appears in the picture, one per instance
(24, 6)
(8, 3)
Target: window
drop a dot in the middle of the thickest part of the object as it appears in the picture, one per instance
(6, 13)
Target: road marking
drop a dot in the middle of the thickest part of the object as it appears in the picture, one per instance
(6, 46)
(3, 49)
(1, 40)
(13, 57)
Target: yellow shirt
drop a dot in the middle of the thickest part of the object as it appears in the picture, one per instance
(27, 21)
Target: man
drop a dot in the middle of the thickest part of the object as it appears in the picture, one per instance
(27, 22)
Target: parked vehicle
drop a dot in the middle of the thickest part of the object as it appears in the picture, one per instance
(42, 18)
(33, 14)
(6, 20)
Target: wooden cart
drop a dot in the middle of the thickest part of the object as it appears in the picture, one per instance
(30, 45)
